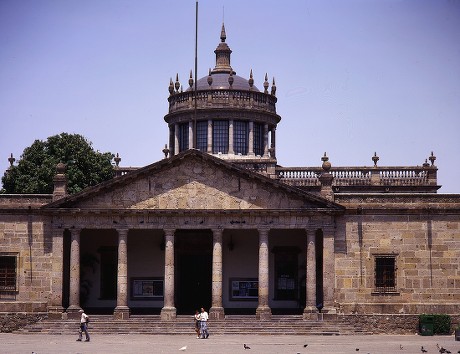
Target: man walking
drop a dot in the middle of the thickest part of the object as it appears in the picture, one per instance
(83, 326)
(204, 324)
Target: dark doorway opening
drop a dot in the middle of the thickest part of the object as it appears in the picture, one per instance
(319, 244)
(194, 281)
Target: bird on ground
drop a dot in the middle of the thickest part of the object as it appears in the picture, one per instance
(183, 348)
(401, 347)
(246, 346)
(357, 349)
(305, 345)
(423, 350)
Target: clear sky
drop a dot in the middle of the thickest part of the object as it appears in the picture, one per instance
(353, 77)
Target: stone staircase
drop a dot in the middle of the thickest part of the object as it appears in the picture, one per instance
(233, 324)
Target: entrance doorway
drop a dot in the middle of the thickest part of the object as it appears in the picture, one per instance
(194, 281)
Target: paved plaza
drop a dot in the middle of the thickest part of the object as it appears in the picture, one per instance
(264, 344)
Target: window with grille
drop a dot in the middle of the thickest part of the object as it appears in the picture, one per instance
(202, 136)
(8, 273)
(258, 139)
(385, 273)
(183, 137)
(240, 137)
(220, 137)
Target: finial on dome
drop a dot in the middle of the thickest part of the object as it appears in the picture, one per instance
(230, 79)
(266, 83)
(223, 35)
(177, 84)
(273, 87)
(326, 164)
(209, 78)
(251, 80)
(171, 87)
(190, 80)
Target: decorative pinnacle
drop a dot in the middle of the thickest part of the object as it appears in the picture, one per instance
(223, 35)
(326, 164)
(177, 84)
(266, 83)
(432, 158)
(117, 160)
(375, 158)
(209, 78)
(171, 87)
(166, 151)
(251, 80)
(273, 87)
(426, 164)
(190, 80)
(11, 160)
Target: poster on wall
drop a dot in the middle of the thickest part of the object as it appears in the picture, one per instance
(244, 289)
(146, 288)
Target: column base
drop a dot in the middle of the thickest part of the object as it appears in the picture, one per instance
(216, 313)
(121, 313)
(264, 313)
(55, 312)
(73, 312)
(168, 314)
(310, 313)
(329, 313)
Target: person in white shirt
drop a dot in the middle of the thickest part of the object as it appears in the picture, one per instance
(204, 324)
(83, 326)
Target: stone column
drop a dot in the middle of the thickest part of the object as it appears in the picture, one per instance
(251, 139)
(217, 311)
(310, 311)
(74, 297)
(273, 142)
(122, 310)
(263, 311)
(230, 138)
(191, 131)
(55, 309)
(265, 140)
(168, 312)
(176, 139)
(329, 308)
(209, 136)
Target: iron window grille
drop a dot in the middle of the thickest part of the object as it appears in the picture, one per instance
(8, 273)
(183, 137)
(385, 274)
(220, 137)
(202, 136)
(241, 137)
(258, 139)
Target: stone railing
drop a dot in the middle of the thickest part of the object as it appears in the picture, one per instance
(360, 176)
(224, 98)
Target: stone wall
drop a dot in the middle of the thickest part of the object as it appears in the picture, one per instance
(10, 322)
(427, 250)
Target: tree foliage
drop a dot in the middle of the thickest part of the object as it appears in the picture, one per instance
(37, 166)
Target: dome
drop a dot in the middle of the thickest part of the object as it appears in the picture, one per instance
(220, 81)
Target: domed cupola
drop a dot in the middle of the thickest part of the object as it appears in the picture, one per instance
(226, 116)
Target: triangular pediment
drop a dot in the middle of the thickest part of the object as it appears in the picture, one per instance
(193, 181)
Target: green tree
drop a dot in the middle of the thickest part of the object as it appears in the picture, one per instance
(37, 166)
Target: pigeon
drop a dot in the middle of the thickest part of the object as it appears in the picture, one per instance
(183, 348)
(423, 350)
(401, 347)
(305, 345)
(246, 346)
(357, 349)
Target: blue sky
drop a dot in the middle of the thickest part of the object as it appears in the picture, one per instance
(353, 77)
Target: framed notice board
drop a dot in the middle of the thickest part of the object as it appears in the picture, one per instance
(147, 288)
(244, 289)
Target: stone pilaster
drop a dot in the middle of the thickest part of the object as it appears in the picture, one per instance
(55, 309)
(122, 310)
(231, 151)
(265, 140)
(176, 139)
(263, 311)
(217, 311)
(74, 296)
(251, 139)
(310, 311)
(328, 273)
(168, 312)
(209, 136)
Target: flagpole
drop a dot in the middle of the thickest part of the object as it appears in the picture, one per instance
(196, 69)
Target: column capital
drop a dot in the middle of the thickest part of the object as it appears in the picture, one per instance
(169, 232)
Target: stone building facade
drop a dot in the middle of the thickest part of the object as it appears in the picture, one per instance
(218, 223)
